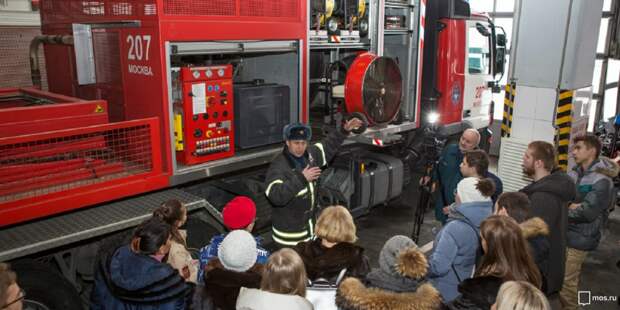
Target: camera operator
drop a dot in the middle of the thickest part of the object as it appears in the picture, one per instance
(447, 174)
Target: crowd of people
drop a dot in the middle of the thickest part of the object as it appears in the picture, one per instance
(539, 235)
(511, 250)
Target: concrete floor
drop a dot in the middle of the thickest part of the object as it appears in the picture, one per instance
(600, 274)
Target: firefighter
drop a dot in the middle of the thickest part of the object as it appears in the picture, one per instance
(291, 180)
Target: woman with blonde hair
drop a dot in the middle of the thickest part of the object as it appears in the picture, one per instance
(283, 285)
(520, 295)
(333, 247)
(506, 258)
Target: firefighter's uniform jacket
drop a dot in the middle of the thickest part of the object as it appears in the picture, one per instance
(293, 197)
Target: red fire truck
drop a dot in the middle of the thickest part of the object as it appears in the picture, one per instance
(153, 99)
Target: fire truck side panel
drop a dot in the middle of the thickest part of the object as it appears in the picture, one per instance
(477, 96)
(63, 61)
(420, 57)
(451, 71)
(141, 58)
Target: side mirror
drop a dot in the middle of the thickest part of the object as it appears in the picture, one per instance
(500, 54)
(501, 40)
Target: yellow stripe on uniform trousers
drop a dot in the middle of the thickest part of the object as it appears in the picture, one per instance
(292, 238)
(563, 121)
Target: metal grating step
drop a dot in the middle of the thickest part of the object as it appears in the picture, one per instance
(33, 237)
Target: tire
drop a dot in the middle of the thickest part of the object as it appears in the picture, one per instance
(45, 286)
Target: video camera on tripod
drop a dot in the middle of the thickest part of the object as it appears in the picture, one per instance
(425, 150)
(423, 153)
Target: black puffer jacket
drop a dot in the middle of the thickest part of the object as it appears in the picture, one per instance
(549, 198)
(326, 263)
(292, 196)
(476, 293)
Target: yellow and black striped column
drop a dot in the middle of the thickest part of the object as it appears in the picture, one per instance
(509, 100)
(563, 122)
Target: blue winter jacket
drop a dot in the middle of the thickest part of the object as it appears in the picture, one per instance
(455, 247)
(130, 281)
(209, 252)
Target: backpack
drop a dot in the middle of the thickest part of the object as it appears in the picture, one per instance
(322, 293)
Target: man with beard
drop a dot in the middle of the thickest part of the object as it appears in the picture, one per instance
(550, 194)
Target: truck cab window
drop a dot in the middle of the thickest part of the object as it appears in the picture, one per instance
(478, 51)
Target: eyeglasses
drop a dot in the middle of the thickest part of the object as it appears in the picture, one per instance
(22, 295)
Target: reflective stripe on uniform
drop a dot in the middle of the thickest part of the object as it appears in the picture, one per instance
(320, 147)
(302, 192)
(292, 243)
(311, 227)
(290, 235)
(311, 195)
(272, 184)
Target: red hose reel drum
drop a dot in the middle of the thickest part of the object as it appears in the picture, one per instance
(373, 87)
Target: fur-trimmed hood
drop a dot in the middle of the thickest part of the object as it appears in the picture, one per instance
(607, 166)
(602, 165)
(405, 275)
(534, 227)
(353, 295)
(412, 263)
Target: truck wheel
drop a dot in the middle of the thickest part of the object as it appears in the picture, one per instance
(45, 288)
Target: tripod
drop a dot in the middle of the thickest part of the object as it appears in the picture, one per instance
(427, 150)
(424, 201)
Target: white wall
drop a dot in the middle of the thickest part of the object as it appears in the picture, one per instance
(18, 13)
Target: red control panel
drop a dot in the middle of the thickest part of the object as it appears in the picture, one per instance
(207, 120)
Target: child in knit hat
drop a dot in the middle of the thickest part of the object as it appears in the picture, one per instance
(239, 213)
(469, 190)
(402, 267)
(235, 267)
